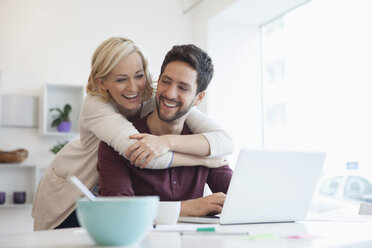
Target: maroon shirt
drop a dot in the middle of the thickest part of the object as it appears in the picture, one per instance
(117, 177)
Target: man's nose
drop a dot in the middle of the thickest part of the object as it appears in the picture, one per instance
(171, 91)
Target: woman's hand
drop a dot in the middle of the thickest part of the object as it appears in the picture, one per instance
(146, 148)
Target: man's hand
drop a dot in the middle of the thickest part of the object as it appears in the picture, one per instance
(146, 148)
(204, 205)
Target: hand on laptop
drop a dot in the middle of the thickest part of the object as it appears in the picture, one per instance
(204, 205)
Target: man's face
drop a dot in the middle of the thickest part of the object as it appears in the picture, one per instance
(176, 90)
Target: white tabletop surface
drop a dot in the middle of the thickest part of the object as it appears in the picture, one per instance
(332, 233)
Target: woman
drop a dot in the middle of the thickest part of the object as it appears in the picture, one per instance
(118, 65)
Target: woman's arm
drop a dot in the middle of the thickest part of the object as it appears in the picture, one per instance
(211, 140)
(150, 146)
(107, 124)
(195, 144)
(182, 159)
(220, 142)
(208, 138)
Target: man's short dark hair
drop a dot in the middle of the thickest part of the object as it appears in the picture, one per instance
(195, 57)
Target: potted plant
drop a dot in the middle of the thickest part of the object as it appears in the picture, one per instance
(62, 120)
(58, 147)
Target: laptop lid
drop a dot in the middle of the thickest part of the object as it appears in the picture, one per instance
(271, 186)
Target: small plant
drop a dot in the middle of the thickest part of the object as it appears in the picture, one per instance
(58, 147)
(63, 116)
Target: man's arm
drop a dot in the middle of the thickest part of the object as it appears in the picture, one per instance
(114, 173)
(219, 179)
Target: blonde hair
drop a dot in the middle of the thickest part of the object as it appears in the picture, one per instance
(107, 56)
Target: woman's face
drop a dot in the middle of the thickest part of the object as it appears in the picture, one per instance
(126, 82)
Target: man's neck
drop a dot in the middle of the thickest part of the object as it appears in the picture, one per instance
(131, 114)
(160, 127)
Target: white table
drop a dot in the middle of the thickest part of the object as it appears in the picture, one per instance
(299, 234)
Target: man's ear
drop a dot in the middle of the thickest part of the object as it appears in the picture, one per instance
(199, 98)
(100, 82)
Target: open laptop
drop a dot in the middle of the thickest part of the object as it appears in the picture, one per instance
(269, 186)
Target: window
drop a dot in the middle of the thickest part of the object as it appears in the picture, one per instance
(316, 80)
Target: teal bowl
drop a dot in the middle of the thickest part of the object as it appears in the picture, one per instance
(114, 221)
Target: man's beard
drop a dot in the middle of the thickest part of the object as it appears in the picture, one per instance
(176, 116)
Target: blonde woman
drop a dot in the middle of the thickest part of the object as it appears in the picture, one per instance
(119, 91)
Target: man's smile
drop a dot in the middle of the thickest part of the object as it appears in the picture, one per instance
(169, 103)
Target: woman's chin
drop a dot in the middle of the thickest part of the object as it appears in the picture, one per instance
(130, 106)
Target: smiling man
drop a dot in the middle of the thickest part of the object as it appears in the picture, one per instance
(185, 74)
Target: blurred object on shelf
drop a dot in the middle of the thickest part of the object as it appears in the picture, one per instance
(19, 197)
(2, 197)
(15, 156)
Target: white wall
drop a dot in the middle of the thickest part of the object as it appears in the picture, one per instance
(44, 41)
(53, 41)
(234, 97)
(202, 14)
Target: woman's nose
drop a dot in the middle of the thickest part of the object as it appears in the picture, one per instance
(132, 86)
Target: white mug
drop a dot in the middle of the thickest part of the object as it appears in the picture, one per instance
(168, 212)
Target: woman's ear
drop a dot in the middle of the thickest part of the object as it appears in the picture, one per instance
(101, 84)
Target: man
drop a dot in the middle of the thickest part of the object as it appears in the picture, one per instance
(185, 75)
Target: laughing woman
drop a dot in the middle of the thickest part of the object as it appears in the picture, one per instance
(120, 91)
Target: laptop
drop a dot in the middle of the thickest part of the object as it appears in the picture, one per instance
(269, 186)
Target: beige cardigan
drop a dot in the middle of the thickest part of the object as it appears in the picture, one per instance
(55, 197)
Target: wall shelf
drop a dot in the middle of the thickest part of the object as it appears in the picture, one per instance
(26, 205)
(18, 177)
(56, 95)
